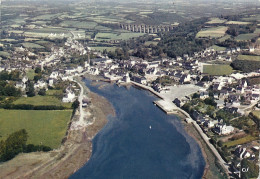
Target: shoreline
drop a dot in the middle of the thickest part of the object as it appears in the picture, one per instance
(77, 149)
(71, 155)
(190, 128)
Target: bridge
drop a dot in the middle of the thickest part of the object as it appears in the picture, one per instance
(146, 28)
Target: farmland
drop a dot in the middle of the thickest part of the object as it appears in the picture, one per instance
(216, 21)
(44, 127)
(249, 57)
(217, 69)
(222, 39)
(42, 101)
(214, 32)
(237, 23)
(244, 37)
(249, 36)
(218, 48)
(243, 140)
(31, 45)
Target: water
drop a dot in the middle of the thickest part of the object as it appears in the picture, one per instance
(127, 148)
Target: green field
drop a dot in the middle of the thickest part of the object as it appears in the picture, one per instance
(214, 32)
(42, 101)
(30, 74)
(222, 39)
(252, 18)
(4, 54)
(244, 37)
(43, 127)
(249, 57)
(100, 49)
(218, 48)
(150, 42)
(78, 24)
(243, 140)
(216, 21)
(121, 36)
(217, 70)
(31, 45)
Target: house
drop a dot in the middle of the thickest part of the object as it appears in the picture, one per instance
(221, 129)
(21, 85)
(204, 95)
(241, 152)
(177, 102)
(69, 97)
(25, 79)
(40, 84)
(209, 124)
(251, 49)
(185, 78)
(141, 80)
(126, 78)
(54, 74)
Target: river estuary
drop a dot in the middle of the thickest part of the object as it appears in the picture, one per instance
(141, 141)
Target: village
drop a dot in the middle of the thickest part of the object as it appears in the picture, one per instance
(215, 103)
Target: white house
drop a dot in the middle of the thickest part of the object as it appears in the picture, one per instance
(20, 85)
(69, 97)
(40, 84)
(221, 129)
(54, 74)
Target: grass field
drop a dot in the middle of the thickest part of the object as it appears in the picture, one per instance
(31, 45)
(216, 21)
(121, 36)
(256, 114)
(4, 54)
(42, 101)
(30, 74)
(218, 48)
(243, 140)
(222, 39)
(244, 37)
(78, 24)
(217, 69)
(248, 57)
(43, 127)
(238, 23)
(150, 42)
(112, 49)
(214, 32)
(252, 18)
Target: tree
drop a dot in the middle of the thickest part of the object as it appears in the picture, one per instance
(13, 145)
(37, 70)
(75, 104)
(31, 92)
(42, 92)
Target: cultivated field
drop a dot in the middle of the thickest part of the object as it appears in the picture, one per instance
(42, 101)
(237, 23)
(44, 127)
(243, 140)
(244, 37)
(31, 45)
(215, 32)
(217, 70)
(218, 48)
(216, 21)
(222, 39)
(249, 57)
(113, 36)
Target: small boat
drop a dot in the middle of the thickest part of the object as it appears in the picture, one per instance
(150, 127)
